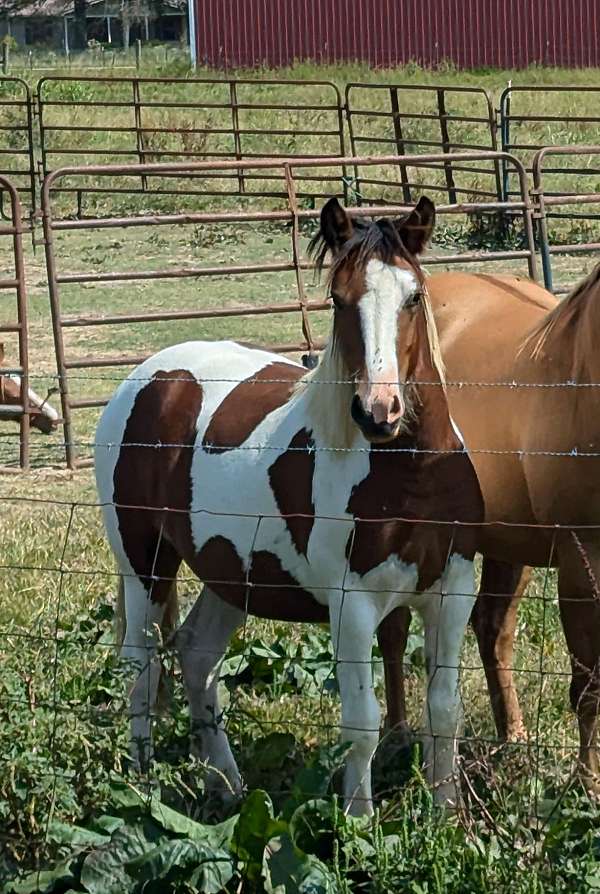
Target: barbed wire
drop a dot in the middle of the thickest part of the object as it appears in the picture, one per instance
(448, 383)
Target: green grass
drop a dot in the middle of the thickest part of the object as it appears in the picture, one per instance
(63, 736)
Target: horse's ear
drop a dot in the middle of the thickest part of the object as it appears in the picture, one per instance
(336, 224)
(416, 229)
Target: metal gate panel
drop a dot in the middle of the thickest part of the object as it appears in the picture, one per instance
(239, 273)
(91, 120)
(554, 207)
(554, 121)
(16, 142)
(411, 119)
(13, 319)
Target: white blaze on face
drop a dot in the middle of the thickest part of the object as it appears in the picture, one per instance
(387, 290)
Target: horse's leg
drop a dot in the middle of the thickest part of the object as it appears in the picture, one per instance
(354, 620)
(202, 642)
(146, 603)
(494, 620)
(392, 635)
(143, 623)
(445, 615)
(579, 601)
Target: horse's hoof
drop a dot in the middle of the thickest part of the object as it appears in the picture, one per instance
(516, 733)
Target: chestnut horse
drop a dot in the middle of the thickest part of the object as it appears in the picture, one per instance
(41, 415)
(300, 496)
(536, 452)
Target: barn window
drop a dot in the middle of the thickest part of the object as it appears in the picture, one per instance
(39, 31)
(169, 28)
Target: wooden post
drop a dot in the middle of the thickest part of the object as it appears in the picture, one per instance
(5, 57)
(138, 53)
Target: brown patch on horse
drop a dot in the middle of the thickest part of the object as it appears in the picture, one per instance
(153, 470)
(266, 591)
(291, 479)
(248, 404)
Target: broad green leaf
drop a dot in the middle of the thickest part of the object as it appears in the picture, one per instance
(287, 870)
(64, 833)
(180, 855)
(44, 882)
(256, 825)
(172, 821)
(107, 824)
(312, 828)
(313, 780)
(234, 666)
(212, 876)
(103, 871)
(125, 795)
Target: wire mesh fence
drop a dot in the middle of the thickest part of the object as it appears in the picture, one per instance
(65, 701)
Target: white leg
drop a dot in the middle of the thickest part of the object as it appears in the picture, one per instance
(202, 642)
(353, 624)
(143, 619)
(445, 615)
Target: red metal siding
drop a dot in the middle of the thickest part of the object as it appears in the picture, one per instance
(470, 33)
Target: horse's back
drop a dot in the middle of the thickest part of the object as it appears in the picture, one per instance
(180, 400)
(472, 309)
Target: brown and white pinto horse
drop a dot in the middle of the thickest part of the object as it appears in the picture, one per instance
(536, 452)
(298, 496)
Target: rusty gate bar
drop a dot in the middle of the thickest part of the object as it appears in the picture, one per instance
(23, 177)
(396, 118)
(15, 229)
(553, 124)
(546, 200)
(139, 138)
(290, 172)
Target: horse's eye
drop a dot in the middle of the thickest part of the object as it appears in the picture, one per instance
(337, 301)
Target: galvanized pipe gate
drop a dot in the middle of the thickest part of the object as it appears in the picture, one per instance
(287, 174)
(15, 321)
(215, 127)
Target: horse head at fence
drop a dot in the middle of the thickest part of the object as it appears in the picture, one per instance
(338, 494)
(383, 335)
(41, 414)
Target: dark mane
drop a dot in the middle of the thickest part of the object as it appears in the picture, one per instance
(371, 239)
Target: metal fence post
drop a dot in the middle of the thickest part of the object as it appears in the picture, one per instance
(138, 54)
(399, 138)
(443, 119)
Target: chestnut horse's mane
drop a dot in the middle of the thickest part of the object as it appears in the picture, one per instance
(566, 318)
